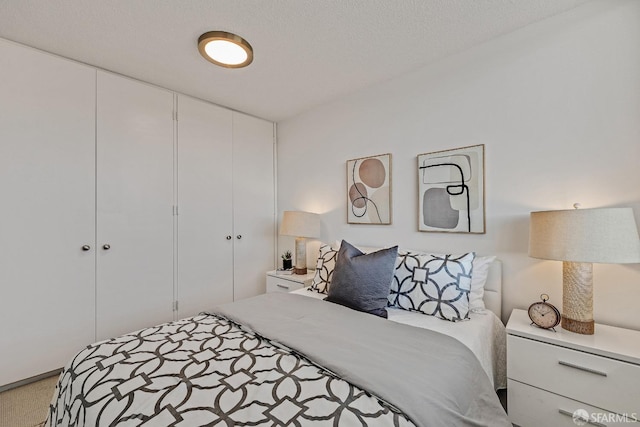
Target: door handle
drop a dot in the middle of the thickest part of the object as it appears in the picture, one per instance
(86, 248)
(106, 246)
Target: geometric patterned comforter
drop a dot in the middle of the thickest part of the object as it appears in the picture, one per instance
(207, 370)
(255, 363)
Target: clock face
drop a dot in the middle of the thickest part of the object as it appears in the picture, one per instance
(544, 315)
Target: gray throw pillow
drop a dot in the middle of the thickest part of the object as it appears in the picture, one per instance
(362, 281)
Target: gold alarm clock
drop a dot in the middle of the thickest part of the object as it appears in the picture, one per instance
(543, 314)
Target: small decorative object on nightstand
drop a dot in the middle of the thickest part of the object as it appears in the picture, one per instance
(556, 379)
(286, 260)
(543, 314)
(287, 283)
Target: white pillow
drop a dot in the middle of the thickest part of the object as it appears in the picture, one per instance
(478, 279)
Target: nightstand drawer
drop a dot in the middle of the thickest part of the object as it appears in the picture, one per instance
(533, 407)
(599, 381)
(277, 284)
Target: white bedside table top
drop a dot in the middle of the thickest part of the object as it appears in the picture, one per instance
(608, 341)
(300, 278)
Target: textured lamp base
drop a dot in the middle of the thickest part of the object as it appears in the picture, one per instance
(301, 256)
(584, 328)
(577, 297)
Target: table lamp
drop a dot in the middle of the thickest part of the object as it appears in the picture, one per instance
(578, 238)
(301, 225)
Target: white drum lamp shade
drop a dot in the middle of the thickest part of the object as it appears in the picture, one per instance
(578, 238)
(301, 225)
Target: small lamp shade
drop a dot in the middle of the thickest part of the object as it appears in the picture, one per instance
(301, 225)
(579, 238)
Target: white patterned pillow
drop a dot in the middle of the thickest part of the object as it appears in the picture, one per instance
(324, 269)
(437, 285)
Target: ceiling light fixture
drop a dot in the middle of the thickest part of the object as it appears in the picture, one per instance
(225, 49)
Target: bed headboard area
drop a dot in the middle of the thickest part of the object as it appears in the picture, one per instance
(487, 265)
(493, 288)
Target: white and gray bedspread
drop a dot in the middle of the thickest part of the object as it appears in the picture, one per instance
(277, 359)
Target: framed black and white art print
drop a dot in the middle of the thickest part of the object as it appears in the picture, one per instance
(451, 190)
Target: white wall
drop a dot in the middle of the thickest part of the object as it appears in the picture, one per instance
(557, 105)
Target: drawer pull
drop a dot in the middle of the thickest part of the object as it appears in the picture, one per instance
(282, 286)
(570, 414)
(582, 368)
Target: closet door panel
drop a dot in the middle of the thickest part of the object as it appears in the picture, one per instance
(134, 205)
(253, 204)
(47, 151)
(205, 255)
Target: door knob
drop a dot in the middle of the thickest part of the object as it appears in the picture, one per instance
(228, 237)
(239, 236)
(106, 247)
(86, 248)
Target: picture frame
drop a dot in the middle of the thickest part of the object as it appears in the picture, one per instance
(369, 190)
(451, 190)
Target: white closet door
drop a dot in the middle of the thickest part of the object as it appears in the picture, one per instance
(135, 205)
(253, 204)
(205, 245)
(47, 152)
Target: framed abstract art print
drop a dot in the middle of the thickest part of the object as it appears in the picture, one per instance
(369, 190)
(451, 190)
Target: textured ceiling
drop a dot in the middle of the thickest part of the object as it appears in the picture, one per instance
(307, 52)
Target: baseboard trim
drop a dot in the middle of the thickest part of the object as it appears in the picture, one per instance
(30, 380)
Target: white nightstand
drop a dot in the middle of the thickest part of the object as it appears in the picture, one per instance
(551, 375)
(287, 282)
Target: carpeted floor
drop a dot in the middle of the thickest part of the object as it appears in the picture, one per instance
(27, 406)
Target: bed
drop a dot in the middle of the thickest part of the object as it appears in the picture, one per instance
(287, 359)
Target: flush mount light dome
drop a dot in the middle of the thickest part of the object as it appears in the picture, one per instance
(225, 49)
